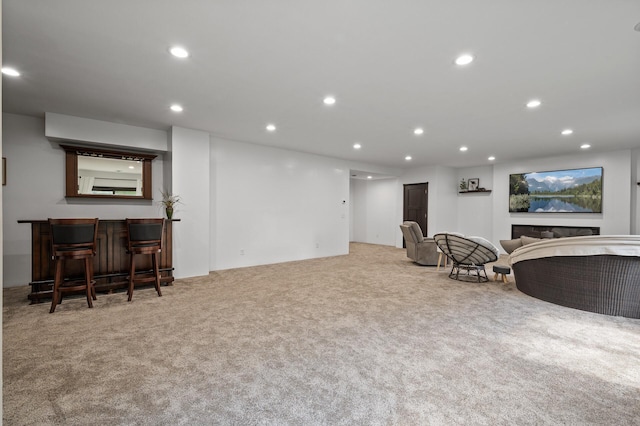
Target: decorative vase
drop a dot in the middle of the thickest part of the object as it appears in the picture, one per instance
(169, 211)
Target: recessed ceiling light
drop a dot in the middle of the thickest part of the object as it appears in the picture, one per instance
(408, 158)
(463, 148)
(10, 71)
(271, 127)
(369, 177)
(176, 108)
(465, 59)
(179, 52)
(357, 146)
(329, 100)
(585, 146)
(491, 158)
(534, 103)
(418, 131)
(567, 132)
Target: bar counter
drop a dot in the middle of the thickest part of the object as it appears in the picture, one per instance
(111, 263)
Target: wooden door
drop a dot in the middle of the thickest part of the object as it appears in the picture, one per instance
(416, 204)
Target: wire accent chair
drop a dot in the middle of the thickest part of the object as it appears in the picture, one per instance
(468, 254)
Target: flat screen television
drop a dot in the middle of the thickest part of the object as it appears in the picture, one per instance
(559, 191)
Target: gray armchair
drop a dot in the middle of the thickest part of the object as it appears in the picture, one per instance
(421, 250)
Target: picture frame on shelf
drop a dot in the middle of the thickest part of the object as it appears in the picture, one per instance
(473, 184)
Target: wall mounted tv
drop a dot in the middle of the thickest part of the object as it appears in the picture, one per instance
(560, 191)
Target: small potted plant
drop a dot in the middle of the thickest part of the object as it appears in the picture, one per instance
(169, 201)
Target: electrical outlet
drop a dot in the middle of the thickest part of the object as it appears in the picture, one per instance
(241, 252)
(317, 245)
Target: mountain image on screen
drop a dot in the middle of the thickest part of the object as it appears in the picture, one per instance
(552, 184)
(561, 191)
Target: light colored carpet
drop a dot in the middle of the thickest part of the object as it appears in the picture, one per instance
(364, 339)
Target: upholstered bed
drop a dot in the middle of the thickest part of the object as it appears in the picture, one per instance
(594, 273)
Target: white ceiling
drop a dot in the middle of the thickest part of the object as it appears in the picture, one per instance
(388, 63)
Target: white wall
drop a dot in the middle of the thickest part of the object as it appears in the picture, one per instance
(616, 206)
(278, 205)
(474, 210)
(35, 190)
(488, 214)
(374, 207)
(190, 180)
(275, 205)
(442, 198)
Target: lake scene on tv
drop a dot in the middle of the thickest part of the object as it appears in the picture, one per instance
(560, 191)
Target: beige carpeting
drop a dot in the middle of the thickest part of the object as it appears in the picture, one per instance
(364, 339)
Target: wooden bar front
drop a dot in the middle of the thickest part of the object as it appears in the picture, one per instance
(111, 263)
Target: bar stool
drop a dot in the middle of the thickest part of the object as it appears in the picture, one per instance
(73, 239)
(144, 236)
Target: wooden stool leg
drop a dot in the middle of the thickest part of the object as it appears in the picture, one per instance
(439, 260)
(132, 271)
(93, 284)
(495, 276)
(87, 278)
(57, 280)
(505, 279)
(156, 271)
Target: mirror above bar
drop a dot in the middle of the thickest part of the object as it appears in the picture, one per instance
(98, 173)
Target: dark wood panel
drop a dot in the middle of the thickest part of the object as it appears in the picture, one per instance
(111, 263)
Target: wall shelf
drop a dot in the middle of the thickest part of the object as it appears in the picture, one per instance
(484, 191)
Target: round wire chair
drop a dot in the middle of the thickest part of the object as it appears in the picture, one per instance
(468, 254)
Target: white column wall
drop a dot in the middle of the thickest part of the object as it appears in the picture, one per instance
(35, 191)
(274, 205)
(359, 222)
(190, 179)
(1, 201)
(635, 191)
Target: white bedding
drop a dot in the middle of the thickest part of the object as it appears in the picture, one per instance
(617, 245)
